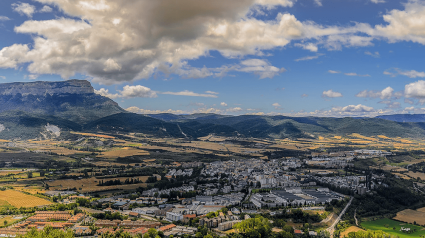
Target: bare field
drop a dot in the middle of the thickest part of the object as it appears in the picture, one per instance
(90, 184)
(350, 229)
(18, 199)
(416, 175)
(411, 216)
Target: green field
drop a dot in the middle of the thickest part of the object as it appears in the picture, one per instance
(380, 225)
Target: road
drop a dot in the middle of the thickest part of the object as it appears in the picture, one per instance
(331, 229)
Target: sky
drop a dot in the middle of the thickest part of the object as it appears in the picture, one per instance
(333, 58)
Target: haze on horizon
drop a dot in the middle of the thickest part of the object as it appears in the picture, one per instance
(264, 57)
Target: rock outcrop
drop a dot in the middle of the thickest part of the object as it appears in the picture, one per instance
(73, 100)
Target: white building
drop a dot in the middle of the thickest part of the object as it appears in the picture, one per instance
(172, 216)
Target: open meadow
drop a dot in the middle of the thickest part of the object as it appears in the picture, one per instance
(393, 227)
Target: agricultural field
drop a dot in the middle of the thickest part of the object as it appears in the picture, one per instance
(350, 229)
(393, 227)
(416, 175)
(90, 184)
(411, 216)
(121, 152)
(18, 199)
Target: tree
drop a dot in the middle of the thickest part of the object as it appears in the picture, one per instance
(152, 233)
(5, 223)
(48, 232)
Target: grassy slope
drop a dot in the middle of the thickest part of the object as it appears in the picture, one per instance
(380, 225)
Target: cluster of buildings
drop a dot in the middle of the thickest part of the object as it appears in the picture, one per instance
(294, 197)
(153, 191)
(174, 173)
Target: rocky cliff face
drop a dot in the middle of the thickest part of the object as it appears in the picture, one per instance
(73, 100)
(43, 88)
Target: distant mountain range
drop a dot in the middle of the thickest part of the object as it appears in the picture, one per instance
(41, 109)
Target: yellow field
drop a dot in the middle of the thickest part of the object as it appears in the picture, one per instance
(94, 135)
(350, 229)
(411, 216)
(122, 152)
(415, 175)
(8, 219)
(18, 199)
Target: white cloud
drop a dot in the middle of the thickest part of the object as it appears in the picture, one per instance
(211, 92)
(391, 104)
(411, 74)
(23, 9)
(309, 46)
(46, 9)
(105, 93)
(261, 67)
(331, 94)
(378, 1)
(31, 76)
(404, 25)
(309, 57)
(355, 74)
(191, 94)
(170, 33)
(2, 77)
(235, 109)
(4, 18)
(415, 90)
(147, 111)
(333, 72)
(138, 91)
(304, 95)
(223, 104)
(277, 106)
(386, 93)
(318, 2)
(375, 55)
(353, 108)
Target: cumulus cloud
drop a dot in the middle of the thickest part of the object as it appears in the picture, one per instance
(309, 46)
(415, 90)
(377, 1)
(353, 108)
(409, 73)
(309, 57)
(386, 93)
(2, 77)
(105, 92)
(391, 104)
(261, 67)
(110, 46)
(23, 9)
(46, 9)
(277, 106)
(235, 109)
(191, 94)
(333, 72)
(223, 104)
(148, 111)
(331, 94)
(138, 91)
(375, 54)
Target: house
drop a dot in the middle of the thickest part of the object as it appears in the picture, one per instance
(133, 214)
(187, 217)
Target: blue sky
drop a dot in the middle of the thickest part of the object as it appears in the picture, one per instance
(299, 58)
